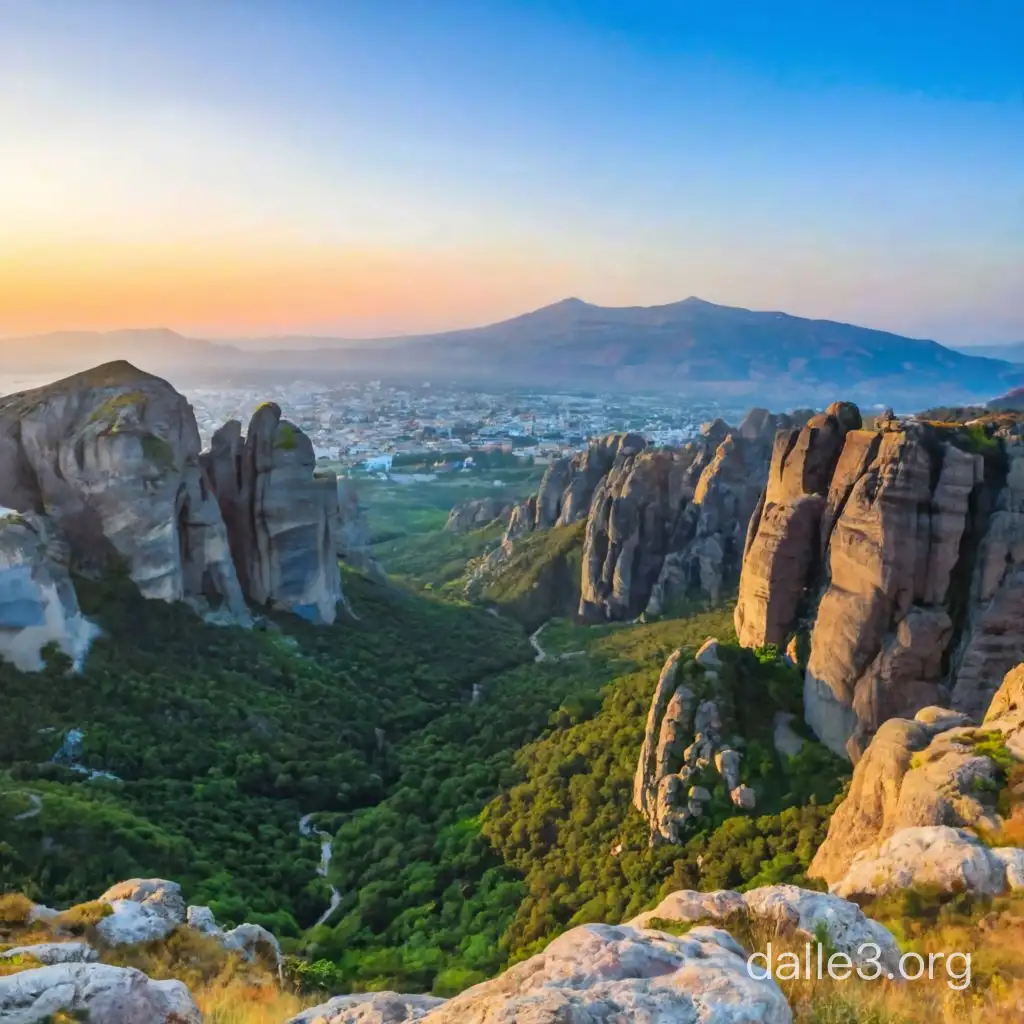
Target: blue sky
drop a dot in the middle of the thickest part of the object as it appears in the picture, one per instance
(364, 167)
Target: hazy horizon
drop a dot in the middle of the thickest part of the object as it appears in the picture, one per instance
(375, 169)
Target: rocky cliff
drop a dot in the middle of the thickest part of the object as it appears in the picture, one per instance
(892, 555)
(477, 512)
(38, 604)
(111, 459)
(282, 515)
(660, 524)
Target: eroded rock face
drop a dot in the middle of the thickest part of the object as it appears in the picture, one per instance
(478, 512)
(925, 773)
(865, 544)
(38, 604)
(112, 457)
(113, 995)
(603, 975)
(666, 524)
(282, 515)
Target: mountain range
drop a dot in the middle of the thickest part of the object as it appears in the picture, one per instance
(690, 347)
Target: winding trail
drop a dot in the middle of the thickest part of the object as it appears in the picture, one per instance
(543, 655)
(37, 805)
(309, 831)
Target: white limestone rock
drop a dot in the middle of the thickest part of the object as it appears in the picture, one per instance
(600, 974)
(144, 909)
(952, 859)
(370, 1008)
(106, 994)
(251, 940)
(788, 906)
(48, 953)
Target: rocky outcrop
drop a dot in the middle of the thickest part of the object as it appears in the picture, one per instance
(251, 940)
(38, 604)
(282, 515)
(892, 551)
(478, 512)
(947, 859)
(95, 992)
(143, 910)
(666, 524)
(683, 750)
(49, 953)
(935, 772)
(567, 487)
(810, 916)
(604, 974)
(112, 457)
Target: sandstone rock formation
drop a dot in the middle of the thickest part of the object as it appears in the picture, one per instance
(281, 514)
(478, 512)
(112, 457)
(684, 746)
(95, 992)
(664, 524)
(38, 604)
(605, 974)
(803, 912)
(935, 772)
(878, 547)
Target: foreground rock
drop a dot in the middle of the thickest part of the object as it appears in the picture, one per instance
(870, 544)
(282, 515)
(790, 909)
(38, 604)
(97, 992)
(48, 953)
(935, 772)
(144, 909)
(112, 457)
(601, 974)
(370, 1008)
(251, 940)
(947, 859)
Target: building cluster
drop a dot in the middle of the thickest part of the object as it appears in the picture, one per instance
(375, 427)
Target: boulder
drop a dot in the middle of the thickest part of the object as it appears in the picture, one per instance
(38, 604)
(112, 457)
(370, 1008)
(282, 514)
(948, 859)
(144, 909)
(48, 953)
(97, 992)
(604, 974)
(251, 940)
(788, 907)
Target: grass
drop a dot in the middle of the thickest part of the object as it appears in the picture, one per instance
(239, 1002)
(434, 559)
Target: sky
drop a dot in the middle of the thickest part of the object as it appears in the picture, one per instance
(369, 167)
